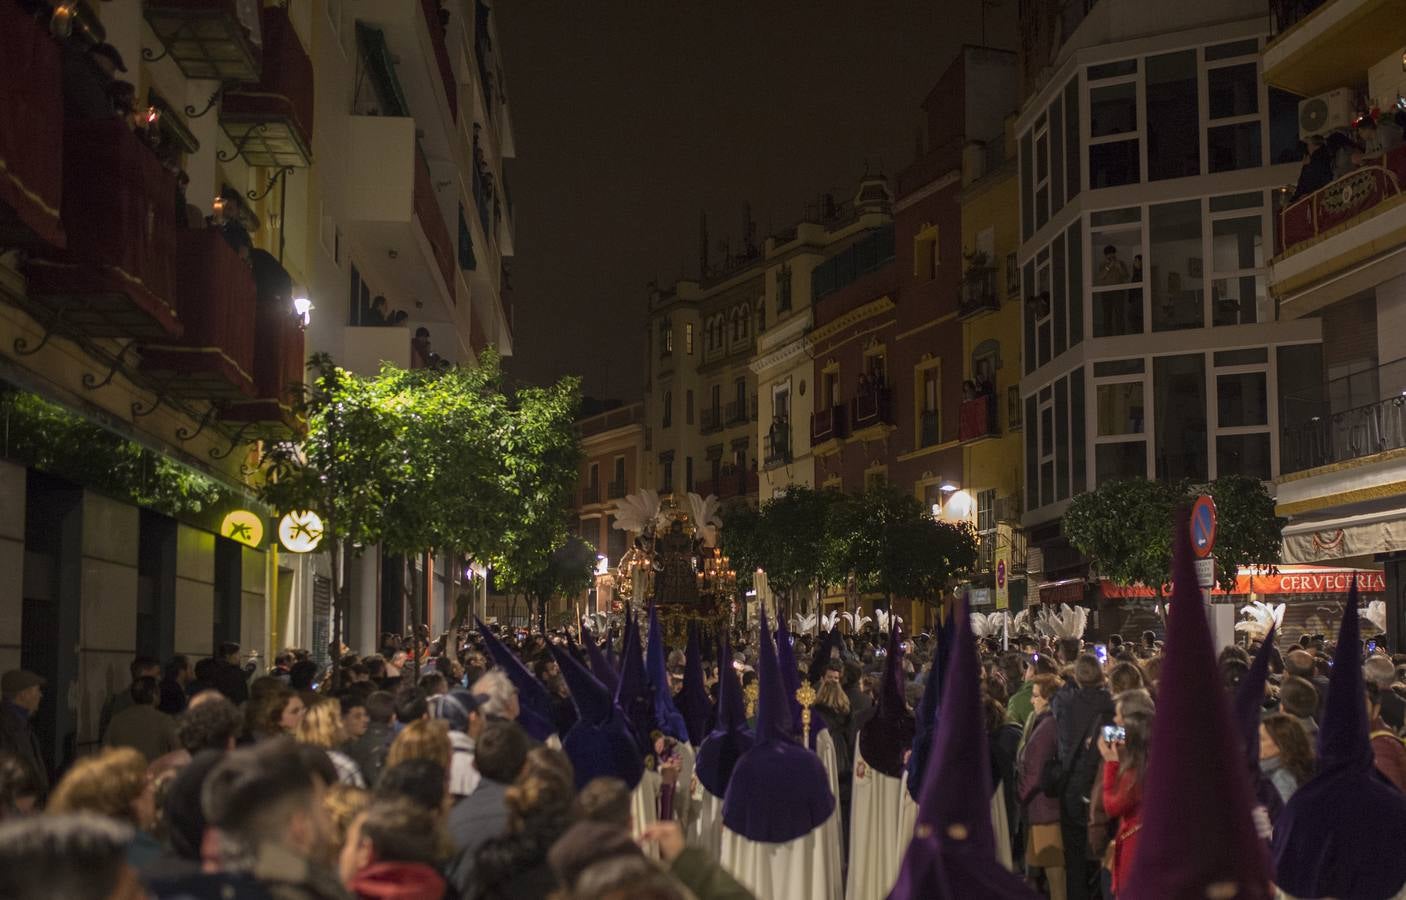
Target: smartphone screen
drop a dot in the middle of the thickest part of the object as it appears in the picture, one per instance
(1371, 646)
(1101, 651)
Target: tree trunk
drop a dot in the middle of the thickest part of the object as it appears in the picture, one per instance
(408, 580)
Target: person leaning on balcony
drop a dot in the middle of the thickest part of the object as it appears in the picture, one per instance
(380, 314)
(87, 74)
(1317, 168)
(1345, 153)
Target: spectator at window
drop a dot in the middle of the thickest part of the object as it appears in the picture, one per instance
(1113, 270)
(1344, 152)
(87, 73)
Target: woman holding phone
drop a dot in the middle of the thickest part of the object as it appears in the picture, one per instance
(1123, 746)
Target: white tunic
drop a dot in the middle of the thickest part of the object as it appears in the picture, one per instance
(706, 829)
(875, 846)
(807, 868)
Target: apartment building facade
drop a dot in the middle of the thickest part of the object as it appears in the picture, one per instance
(1340, 261)
(164, 274)
(1152, 346)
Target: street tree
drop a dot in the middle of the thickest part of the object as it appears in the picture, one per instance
(1125, 528)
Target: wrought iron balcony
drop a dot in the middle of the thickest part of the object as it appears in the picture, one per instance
(217, 303)
(116, 278)
(978, 419)
(1349, 434)
(710, 420)
(978, 292)
(270, 122)
(217, 40)
(777, 446)
(930, 430)
(31, 132)
(873, 406)
(738, 413)
(615, 490)
(828, 424)
(278, 362)
(590, 494)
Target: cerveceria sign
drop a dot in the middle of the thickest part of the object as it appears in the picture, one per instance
(1289, 580)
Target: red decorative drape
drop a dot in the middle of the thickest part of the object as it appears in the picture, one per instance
(119, 209)
(439, 38)
(285, 90)
(427, 210)
(1344, 199)
(218, 304)
(31, 127)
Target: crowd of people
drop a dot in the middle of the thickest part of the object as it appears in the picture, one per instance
(1329, 157)
(499, 763)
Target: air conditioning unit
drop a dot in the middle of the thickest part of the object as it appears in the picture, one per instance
(1327, 112)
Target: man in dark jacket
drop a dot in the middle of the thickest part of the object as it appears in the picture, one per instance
(20, 693)
(227, 676)
(1080, 709)
(499, 756)
(141, 667)
(1317, 168)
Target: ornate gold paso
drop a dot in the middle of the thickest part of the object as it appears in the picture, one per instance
(805, 696)
(751, 692)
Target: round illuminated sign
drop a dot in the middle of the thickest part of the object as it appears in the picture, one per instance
(243, 526)
(300, 531)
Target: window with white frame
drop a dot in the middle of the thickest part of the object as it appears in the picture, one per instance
(1116, 263)
(1120, 420)
(1114, 124)
(986, 530)
(1233, 106)
(1238, 264)
(1042, 171)
(1242, 426)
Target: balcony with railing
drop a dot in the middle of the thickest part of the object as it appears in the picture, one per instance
(615, 490)
(710, 420)
(269, 121)
(978, 293)
(929, 428)
(218, 40)
(116, 277)
(436, 20)
(590, 494)
(873, 405)
(777, 445)
(828, 424)
(978, 419)
(279, 357)
(31, 132)
(1339, 206)
(739, 412)
(217, 303)
(1355, 417)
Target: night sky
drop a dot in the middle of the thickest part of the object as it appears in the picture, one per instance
(631, 116)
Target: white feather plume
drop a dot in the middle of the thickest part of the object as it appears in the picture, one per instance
(1068, 623)
(1259, 618)
(989, 625)
(856, 620)
(804, 624)
(886, 620)
(705, 516)
(638, 512)
(829, 621)
(1023, 623)
(1375, 613)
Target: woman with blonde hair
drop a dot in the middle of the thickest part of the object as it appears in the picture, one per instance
(422, 739)
(114, 784)
(321, 726)
(343, 804)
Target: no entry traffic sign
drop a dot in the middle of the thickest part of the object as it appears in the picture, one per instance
(1203, 526)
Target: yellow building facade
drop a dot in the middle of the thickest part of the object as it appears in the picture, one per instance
(989, 314)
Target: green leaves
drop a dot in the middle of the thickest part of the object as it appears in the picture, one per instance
(883, 538)
(436, 459)
(1125, 527)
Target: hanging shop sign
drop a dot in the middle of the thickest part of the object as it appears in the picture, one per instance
(300, 531)
(243, 526)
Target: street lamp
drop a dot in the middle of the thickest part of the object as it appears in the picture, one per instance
(303, 307)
